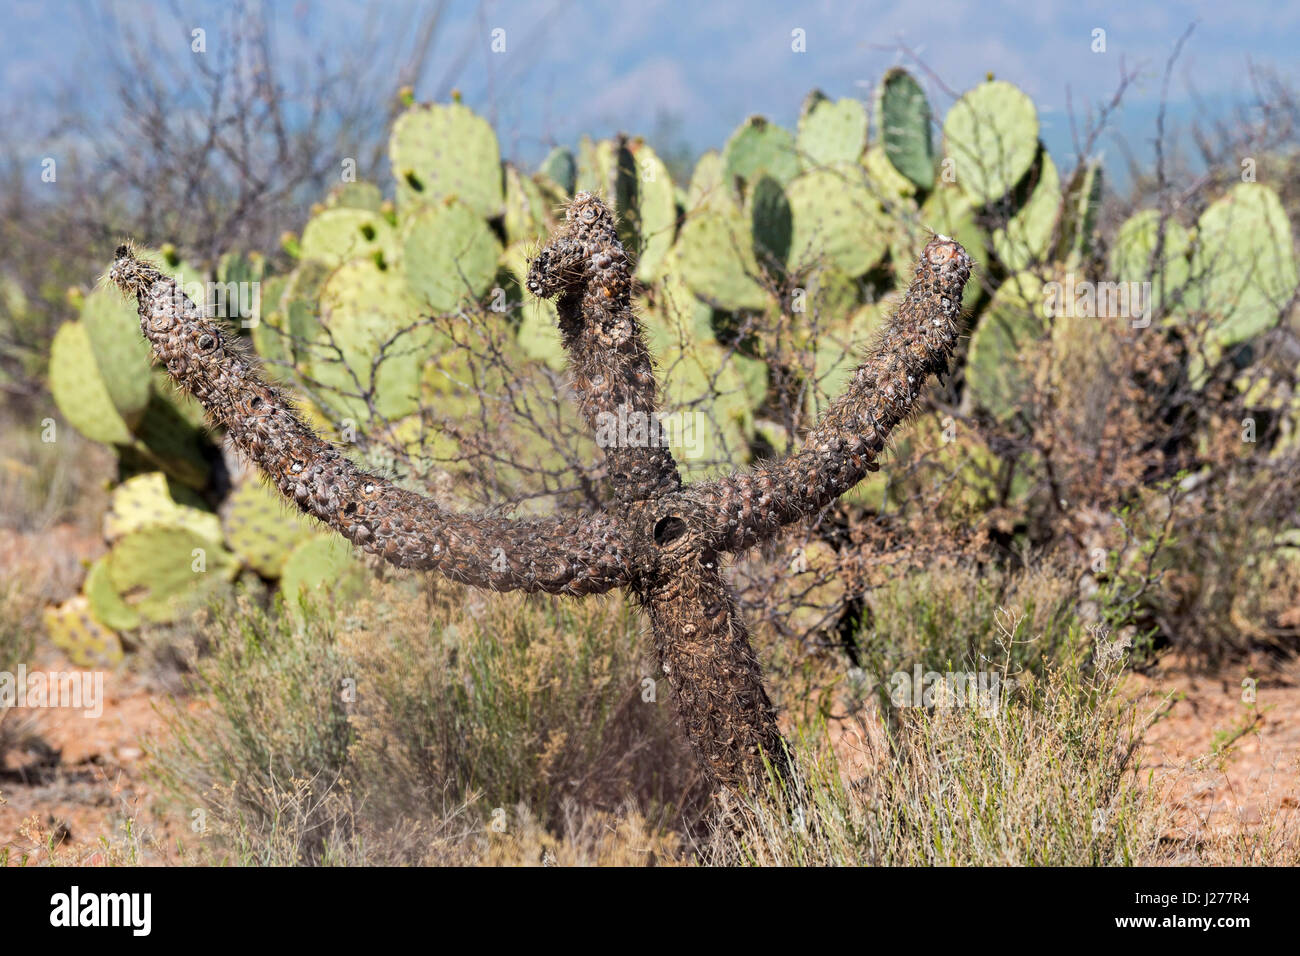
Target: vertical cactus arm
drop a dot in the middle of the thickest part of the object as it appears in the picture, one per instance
(586, 269)
(704, 649)
(734, 513)
(563, 555)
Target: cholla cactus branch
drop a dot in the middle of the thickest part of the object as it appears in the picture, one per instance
(661, 541)
(561, 555)
(586, 269)
(736, 513)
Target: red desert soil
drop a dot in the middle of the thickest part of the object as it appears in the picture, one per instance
(78, 779)
(1228, 764)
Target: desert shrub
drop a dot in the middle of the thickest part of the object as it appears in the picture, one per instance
(1049, 779)
(471, 722)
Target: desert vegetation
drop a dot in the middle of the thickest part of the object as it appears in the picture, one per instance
(846, 496)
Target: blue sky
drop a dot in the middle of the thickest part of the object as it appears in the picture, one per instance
(598, 67)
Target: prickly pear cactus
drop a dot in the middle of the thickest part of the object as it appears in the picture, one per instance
(1028, 234)
(112, 330)
(260, 529)
(832, 132)
(903, 121)
(79, 389)
(760, 148)
(836, 220)
(1243, 268)
(336, 235)
(163, 572)
(74, 630)
(364, 308)
(561, 168)
(449, 255)
(148, 500)
(998, 370)
(991, 135)
(441, 151)
(716, 247)
(322, 564)
(1133, 256)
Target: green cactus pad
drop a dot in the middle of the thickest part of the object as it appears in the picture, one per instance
(760, 148)
(106, 605)
(592, 173)
(121, 352)
(1243, 268)
(439, 151)
(301, 305)
(903, 127)
(709, 403)
(708, 182)
(991, 134)
(324, 562)
(358, 195)
(716, 252)
(831, 297)
(336, 235)
(771, 224)
(888, 182)
(73, 629)
(832, 133)
(655, 217)
(838, 350)
(148, 500)
(171, 436)
(80, 391)
(836, 220)
(997, 369)
(362, 309)
(157, 571)
(810, 102)
(1132, 256)
(1079, 215)
(1027, 235)
(269, 337)
(560, 168)
(261, 528)
(449, 255)
(525, 208)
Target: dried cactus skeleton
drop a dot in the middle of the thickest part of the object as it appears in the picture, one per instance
(662, 541)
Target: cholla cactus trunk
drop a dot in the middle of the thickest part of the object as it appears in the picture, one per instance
(663, 542)
(701, 642)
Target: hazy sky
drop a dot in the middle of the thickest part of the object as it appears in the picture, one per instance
(602, 66)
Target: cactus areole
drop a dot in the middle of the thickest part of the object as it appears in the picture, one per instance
(661, 540)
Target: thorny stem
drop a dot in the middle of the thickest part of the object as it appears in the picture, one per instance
(660, 540)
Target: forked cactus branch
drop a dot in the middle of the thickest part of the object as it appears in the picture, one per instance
(662, 541)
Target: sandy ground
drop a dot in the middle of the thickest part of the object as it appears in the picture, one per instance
(1230, 764)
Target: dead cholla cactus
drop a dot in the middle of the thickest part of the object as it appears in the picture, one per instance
(663, 542)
